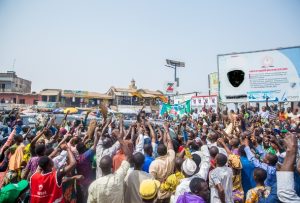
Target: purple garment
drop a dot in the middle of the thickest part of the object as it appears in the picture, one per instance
(84, 167)
(32, 165)
(235, 151)
(190, 198)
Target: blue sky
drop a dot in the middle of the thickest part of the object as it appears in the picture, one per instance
(91, 45)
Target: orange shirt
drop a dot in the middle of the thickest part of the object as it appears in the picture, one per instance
(282, 116)
(15, 160)
(117, 160)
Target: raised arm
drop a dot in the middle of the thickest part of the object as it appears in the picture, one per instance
(152, 133)
(63, 122)
(71, 164)
(121, 127)
(128, 133)
(291, 151)
(168, 138)
(285, 177)
(221, 141)
(35, 139)
(252, 158)
(58, 148)
(96, 138)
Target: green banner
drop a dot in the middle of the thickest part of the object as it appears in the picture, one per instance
(176, 109)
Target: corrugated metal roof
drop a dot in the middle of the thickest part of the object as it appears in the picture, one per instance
(49, 92)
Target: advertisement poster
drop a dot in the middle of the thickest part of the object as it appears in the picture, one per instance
(255, 76)
(198, 102)
(213, 83)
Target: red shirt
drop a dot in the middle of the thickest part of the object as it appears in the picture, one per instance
(45, 188)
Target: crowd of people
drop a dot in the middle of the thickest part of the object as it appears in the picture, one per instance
(248, 155)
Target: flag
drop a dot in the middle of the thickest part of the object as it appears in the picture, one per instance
(176, 109)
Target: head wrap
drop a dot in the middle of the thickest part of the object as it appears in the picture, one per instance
(189, 167)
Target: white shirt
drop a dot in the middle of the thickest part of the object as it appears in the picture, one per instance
(140, 145)
(285, 187)
(101, 152)
(195, 116)
(221, 175)
(109, 188)
(264, 114)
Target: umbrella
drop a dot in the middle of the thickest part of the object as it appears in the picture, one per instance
(58, 110)
(71, 110)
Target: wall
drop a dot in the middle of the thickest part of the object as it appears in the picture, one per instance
(17, 98)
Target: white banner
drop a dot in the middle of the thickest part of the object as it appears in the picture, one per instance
(255, 76)
(208, 101)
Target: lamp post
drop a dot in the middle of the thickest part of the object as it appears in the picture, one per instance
(175, 64)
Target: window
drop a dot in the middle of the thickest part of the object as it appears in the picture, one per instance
(22, 101)
(125, 100)
(52, 98)
(44, 98)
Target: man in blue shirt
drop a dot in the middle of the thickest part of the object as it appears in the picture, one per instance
(268, 164)
(148, 150)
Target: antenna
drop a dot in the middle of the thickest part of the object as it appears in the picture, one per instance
(13, 68)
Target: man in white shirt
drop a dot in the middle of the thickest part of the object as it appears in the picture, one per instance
(264, 114)
(220, 181)
(110, 187)
(134, 179)
(195, 114)
(285, 177)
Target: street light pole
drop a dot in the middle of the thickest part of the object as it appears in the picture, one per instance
(174, 64)
(175, 79)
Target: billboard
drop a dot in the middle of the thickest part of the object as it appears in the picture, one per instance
(213, 83)
(255, 76)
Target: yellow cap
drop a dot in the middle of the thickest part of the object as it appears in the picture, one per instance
(149, 189)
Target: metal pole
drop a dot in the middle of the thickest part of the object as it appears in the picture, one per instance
(175, 68)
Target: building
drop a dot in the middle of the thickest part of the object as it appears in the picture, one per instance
(10, 82)
(51, 95)
(84, 98)
(15, 90)
(19, 98)
(131, 99)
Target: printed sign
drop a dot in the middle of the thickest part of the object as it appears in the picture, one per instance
(170, 88)
(255, 76)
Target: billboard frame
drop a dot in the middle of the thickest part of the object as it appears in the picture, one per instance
(245, 52)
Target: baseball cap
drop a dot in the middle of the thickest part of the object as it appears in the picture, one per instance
(11, 192)
(149, 189)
